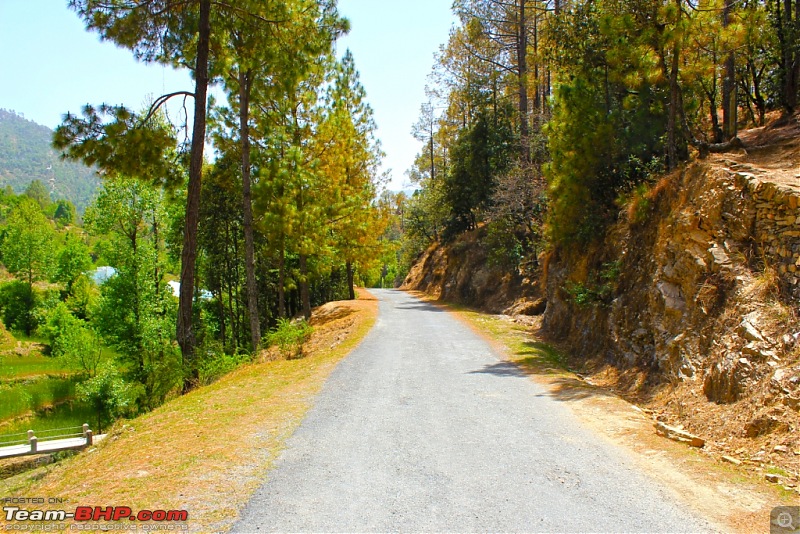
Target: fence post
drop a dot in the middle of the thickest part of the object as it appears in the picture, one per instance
(33, 441)
(85, 428)
(88, 437)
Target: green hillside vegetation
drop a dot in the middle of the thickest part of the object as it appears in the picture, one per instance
(546, 119)
(287, 217)
(26, 155)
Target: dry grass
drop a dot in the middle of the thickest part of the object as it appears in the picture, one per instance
(208, 451)
(766, 286)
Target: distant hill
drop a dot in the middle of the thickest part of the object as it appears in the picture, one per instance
(26, 155)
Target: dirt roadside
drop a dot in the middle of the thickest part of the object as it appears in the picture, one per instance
(734, 496)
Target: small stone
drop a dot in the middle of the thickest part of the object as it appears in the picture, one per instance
(731, 460)
(750, 332)
(781, 449)
(677, 434)
(772, 478)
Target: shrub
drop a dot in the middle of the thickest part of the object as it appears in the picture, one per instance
(215, 363)
(110, 395)
(289, 337)
(17, 303)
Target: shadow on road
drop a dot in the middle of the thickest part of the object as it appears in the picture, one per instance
(541, 359)
(501, 369)
(572, 389)
(420, 306)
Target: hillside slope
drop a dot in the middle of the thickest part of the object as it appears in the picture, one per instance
(26, 155)
(461, 272)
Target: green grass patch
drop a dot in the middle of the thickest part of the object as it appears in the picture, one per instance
(522, 348)
(772, 470)
(29, 365)
(66, 415)
(20, 398)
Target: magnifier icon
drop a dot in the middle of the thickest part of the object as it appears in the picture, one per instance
(785, 520)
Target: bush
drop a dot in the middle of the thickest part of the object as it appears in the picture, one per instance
(215, 363)
(17, 304)
(110, 395)
(289, 337)
(506, 249)
(600, 288)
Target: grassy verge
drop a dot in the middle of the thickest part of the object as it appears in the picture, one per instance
(208, 451)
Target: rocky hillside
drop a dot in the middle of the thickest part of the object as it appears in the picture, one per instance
(689, 303)
(461, 272)
(26, 155)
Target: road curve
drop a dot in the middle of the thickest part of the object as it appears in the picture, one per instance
(423, 428)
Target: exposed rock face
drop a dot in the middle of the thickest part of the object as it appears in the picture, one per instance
(460, 272)
(683, 303)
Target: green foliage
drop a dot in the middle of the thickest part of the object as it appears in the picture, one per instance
(65, 213)
(73, 260)
(289, 337)
(596, 151)
(506, 249)
(83, 297)
(28, 244)
(136, 312)
(18, 303)
(72, 341)
(599, 289)
(119, 141)
(479, 154)
(55, 322)
(26, 155)
(37, 191)
(109, 395)
(214, 363)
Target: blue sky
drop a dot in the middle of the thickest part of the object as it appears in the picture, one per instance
(51, 65)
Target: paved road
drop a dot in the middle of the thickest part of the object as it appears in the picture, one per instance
(422, 428)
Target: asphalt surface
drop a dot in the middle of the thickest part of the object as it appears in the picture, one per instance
(423, 428)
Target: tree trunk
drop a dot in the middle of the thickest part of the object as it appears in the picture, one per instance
(729, 104)
(433, 165)
(672, 119)
(247, 206)
(185, 332)
(758, 98)
(787, 31)
(223, 333)
(674, 99)
(793, 78)
(350, 283)
(282, 279)
(305, 294)
(522, 65)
